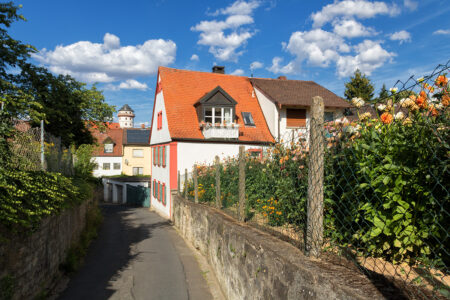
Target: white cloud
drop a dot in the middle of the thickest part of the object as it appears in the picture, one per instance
(224, 38)
(108, 62)
(238, 8)
(194, 57)
(401, 36)
(370, 56)
(256, 65)
(129, 84)
(360, 9)
(410, 4)
(442, 31)
(290, 68)
(238, 72)
(317, 47)
(350, 28)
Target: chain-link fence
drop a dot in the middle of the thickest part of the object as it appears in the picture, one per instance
(370, 192)
(27, 149)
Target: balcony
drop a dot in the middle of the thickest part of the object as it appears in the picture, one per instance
(220, 131)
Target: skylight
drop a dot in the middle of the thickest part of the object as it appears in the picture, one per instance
(248, 119)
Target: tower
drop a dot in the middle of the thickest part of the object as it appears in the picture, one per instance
(126, 117)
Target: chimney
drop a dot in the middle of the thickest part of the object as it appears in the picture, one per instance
(142, 125)
(218, 69)
(282, 78)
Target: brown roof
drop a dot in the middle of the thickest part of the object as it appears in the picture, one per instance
(116, 135)
(297, 92)
(182, 89)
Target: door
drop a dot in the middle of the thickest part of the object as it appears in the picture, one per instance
(138, 196)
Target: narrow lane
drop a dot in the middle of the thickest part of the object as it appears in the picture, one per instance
(138, 255)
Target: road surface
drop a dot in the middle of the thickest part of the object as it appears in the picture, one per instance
(137, 255)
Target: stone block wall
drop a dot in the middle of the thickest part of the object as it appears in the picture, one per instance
(33, 260)
(250, 264)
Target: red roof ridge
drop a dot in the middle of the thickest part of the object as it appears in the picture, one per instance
(202, 72)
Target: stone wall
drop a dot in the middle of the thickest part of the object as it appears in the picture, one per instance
(34, 260)
(250, 264)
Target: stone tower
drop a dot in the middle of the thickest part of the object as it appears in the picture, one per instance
(126, 117)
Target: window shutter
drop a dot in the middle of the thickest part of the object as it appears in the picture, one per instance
(164, 194)
(164, 156)
(159, 162)
(154, 160)
(295, 117)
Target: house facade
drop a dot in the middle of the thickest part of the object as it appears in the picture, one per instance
(136, 158)
(108, 155)
(198, 116)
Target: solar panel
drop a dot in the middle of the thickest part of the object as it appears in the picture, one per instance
(138, 136)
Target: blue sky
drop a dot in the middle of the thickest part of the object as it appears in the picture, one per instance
(120, 44)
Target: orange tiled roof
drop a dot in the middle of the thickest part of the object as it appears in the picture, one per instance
(115, 134)
(182, 89)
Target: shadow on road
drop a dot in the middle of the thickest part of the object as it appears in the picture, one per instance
(112, 252)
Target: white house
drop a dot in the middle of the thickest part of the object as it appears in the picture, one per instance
(198, 115)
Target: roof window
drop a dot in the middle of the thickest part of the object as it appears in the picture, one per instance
(248, 119)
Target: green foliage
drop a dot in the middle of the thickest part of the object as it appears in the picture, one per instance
(7, 286)
(384, 93)
(26, 197)
(359, 86)
(66, 103)
(84, 166)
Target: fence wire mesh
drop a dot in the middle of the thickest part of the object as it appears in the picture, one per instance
(375, 200)
(26, 150)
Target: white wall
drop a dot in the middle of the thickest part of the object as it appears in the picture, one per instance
(163, 135)
(270, 112)
(161, 174)
(107, 159)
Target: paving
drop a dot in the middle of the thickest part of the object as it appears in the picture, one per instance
(137, 255)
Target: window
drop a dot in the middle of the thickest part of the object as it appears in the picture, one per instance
(160, 191)
(220, 115)
(159, 156)
(159, 121)
(255, 152)
(154, 156)
(138, 171)
(106, 166)
(138, 153)
(296, 117)
(116, 166)
(328, 116)
(248, 119)
(154, 188)
(109, 148)
(95, 166)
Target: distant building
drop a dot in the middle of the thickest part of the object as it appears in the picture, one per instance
(108, 155)
(137, 155)
(126, 117)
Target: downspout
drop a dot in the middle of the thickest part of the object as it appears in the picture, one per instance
(279, 121)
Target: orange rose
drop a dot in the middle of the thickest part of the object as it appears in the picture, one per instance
(386, 118)
(421, 101)
(445, 100)
(441, 81)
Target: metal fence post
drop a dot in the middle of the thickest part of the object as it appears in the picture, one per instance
(185, 184)
(314, 232)
(241, 214)
(195, 184)
(218, 202)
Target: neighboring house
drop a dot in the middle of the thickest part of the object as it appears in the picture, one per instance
(136, 152)
(286, 105)
(108, 155)
(198, 115)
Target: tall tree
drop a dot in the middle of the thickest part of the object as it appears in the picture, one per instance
(68, 104)
(359, 86)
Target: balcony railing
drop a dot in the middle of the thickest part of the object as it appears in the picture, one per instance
(220, 131)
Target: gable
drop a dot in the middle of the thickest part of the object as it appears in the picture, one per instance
(160, 127)
(217, 97)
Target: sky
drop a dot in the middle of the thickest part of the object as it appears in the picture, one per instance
(119, 44)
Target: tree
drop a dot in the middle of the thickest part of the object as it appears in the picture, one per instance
(67, 104)
(384, 93)
(359, 86)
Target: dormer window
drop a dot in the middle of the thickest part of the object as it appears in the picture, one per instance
(216, 107)
(216, 114)
(108, 145)
(248, 119)
(109, 148)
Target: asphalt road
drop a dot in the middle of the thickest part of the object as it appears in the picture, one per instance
(138, 255)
